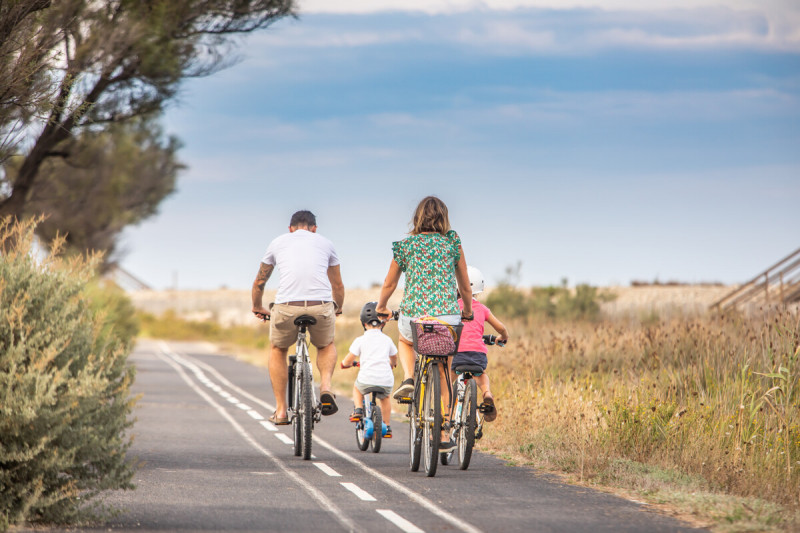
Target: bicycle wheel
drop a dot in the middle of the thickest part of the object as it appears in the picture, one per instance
(361, 436)
(377, 424)
(297, 431)
(307, 410)
(432, 420)
(414, 429)
(468, 422)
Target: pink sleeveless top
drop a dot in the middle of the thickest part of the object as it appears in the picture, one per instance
(472, 332)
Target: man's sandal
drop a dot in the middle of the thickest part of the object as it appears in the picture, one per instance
(279, 421)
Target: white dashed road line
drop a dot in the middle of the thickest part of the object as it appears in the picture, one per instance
(284, 438)
(399, 521)
(269, 426)
(255, 415)
(328, 470)
(358, 491)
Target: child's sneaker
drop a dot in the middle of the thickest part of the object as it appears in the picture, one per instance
(358, 414)
(387, 432)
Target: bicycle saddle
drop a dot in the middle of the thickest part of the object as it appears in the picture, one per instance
(472, 369)
(369, 390)
(305, 320)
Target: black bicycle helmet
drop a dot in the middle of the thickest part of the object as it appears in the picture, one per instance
(369, 315)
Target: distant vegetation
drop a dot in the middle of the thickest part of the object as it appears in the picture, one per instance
(64, 383)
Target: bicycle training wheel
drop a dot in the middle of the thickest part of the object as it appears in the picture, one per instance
(432, 421)
(377, 424)
(297, 430)
(307, 411)
(467, 424)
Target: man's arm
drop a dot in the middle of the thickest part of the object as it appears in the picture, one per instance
(337, 287)
(264, 272)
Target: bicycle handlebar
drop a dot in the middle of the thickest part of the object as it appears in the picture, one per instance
(392, 315)
(492, 340)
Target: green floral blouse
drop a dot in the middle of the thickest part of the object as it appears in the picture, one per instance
(429, 262)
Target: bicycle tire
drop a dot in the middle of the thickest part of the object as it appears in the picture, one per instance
(307, 411)
(432, 422)
(297, 431)
(361, 439)
(377, 425)
(466, 437)
(414, 428)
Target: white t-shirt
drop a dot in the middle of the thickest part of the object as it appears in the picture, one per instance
(302, 259)
(374, 348)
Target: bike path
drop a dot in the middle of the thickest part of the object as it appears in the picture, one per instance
(211, 462)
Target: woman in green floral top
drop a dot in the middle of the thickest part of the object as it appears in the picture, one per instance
(434, 265)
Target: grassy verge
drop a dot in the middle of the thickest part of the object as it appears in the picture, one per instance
(700, 416)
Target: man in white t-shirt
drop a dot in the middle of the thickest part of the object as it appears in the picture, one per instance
(310, 283)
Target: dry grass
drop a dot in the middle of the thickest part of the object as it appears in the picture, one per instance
(714, 400)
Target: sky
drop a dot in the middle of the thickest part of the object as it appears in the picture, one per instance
(598, 142)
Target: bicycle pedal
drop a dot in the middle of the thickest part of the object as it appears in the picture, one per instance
(405, 401)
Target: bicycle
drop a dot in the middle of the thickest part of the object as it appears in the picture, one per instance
(467, 422)
(433, 342)
(303, 410)
(369, 430)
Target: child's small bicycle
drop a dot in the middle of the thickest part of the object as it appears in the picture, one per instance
(366, 434)
(467, 421)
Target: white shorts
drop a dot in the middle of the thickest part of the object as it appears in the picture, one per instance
(404, 324)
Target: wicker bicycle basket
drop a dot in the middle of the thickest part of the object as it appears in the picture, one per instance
(432, 336)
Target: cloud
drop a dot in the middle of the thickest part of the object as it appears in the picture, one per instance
(547, 28)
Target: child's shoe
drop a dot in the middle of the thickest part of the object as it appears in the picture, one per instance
(358, 414)
(387, 431)
(369, 428)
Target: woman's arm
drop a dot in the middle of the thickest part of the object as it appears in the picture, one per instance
(389, 285)
(498, 326)
(464, 288)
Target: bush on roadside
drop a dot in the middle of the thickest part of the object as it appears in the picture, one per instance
(549, 302)
(64, 384)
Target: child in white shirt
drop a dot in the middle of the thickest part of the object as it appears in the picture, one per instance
(377, 356)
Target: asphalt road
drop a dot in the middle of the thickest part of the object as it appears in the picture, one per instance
(211, 462)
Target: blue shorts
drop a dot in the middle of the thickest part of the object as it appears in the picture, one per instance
(470, 358)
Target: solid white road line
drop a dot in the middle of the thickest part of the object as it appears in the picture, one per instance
(358, 491)
(412, 495)
(176, 361)
(328, 470)
(284, 438)
(399, 521)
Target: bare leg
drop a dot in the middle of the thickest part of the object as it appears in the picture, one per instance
(358, 399)
(386, 410)
(405, 351)
(445, 389)
(326, 362)
(278, 375)
(483, 382)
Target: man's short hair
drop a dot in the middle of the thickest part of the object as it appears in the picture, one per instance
(303, 218)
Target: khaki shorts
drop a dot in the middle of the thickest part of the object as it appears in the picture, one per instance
(283, 332)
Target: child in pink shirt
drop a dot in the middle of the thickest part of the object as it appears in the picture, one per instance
(471, 349)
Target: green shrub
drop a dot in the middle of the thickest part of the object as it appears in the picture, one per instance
(64, 384)
(552, 302)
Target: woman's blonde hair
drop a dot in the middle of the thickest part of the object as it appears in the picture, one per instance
(430, 215)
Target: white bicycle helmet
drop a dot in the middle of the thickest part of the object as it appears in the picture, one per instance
(475, 280)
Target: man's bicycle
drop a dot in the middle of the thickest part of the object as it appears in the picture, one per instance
(433, 342)
(467, 422)
(304, 410)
